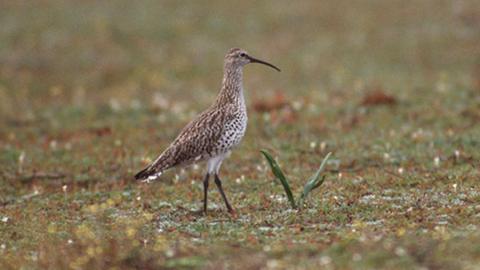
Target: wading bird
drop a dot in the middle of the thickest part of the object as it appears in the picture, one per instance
(213, 133)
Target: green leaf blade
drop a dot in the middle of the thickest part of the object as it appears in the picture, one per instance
(278, 173)
(315, 181)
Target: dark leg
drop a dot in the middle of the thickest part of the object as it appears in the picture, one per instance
(205, 192)
(219, 185)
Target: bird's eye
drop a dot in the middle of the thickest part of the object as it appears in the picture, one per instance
(243, 54)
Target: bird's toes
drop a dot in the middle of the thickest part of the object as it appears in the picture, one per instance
(233, 213)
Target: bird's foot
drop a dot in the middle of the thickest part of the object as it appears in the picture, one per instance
(233, 213)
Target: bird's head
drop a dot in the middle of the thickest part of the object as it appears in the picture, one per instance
(238, 58)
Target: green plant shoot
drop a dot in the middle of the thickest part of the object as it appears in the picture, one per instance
(314, 182)
(280, 176)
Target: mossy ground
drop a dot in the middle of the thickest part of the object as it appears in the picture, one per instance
(90, 91)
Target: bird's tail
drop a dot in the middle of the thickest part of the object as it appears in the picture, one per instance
(145, 173)
(154, 170)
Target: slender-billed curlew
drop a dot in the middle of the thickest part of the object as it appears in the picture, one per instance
(215, 132)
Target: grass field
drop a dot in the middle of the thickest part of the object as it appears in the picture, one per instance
(90, 91)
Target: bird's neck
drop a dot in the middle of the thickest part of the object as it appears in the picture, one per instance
(232, 86)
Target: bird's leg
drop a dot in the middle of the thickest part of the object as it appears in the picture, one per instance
(205, 192)
(218, 182)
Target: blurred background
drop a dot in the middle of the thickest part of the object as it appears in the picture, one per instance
(91, 91)
(89, 53)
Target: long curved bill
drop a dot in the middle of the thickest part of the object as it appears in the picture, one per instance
(255, 60)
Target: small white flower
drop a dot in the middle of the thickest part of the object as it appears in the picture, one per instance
(436, 161)
(297, 105)
(53, 144)
(169, 253)
(323, 145)
(399, 251)
(115, 105)
(356, 257)
(68, 146)
(21, 158)
(266, 117)
(324, 260)
(272, 264)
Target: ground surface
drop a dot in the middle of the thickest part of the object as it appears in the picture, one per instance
(90, 91)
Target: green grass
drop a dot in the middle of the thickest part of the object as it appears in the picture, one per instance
(90, 91)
